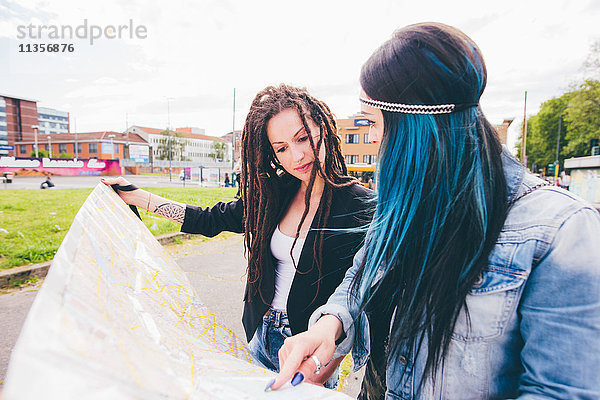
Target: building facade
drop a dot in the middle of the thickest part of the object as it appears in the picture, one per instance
(502, 130)
(3, 129)
(52, 121)
(360, 153)
(20, 116)
(106, 145)
(187, 144)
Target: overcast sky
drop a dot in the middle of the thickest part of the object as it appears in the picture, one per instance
(196, 53)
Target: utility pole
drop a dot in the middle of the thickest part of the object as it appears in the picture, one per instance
(524, 138)
(127, 133)
(558, 140)
(76, 143)
(35, 130)
(233, 135)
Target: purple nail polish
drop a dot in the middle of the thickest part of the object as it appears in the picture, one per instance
(269, 385)
(297, 379)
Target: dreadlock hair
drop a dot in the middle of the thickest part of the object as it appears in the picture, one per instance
(434, 227)
(266, 185)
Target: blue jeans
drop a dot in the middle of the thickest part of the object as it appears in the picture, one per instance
(268, 339)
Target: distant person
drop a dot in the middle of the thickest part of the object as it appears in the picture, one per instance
(47, 184)
(296, 200)
(565, 180)
(237, 180)
(226, 179)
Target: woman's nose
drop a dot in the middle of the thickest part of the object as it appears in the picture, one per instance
(297, 153)
(373, 135)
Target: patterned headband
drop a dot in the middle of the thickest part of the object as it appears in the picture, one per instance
(416, 108)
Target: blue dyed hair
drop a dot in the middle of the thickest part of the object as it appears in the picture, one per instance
(441, 191)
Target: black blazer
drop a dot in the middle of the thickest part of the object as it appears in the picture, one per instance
(351, 207)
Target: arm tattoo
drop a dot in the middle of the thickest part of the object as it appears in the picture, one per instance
(174, 212)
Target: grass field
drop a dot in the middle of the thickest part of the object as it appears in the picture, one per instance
(37, 221)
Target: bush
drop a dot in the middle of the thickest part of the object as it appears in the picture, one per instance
(41, 153)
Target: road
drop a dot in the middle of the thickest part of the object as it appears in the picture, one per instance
(82, 182)
(216, 269)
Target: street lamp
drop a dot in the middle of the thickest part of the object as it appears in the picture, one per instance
(112, 147)
(76, 142)
(169, 99)
(49, 147)
(558, 139)
(35, 131)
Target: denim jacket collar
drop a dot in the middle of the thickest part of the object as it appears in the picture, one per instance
(513, 172)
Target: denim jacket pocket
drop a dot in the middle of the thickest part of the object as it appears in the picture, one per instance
(490, 304)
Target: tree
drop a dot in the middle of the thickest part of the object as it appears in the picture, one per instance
(542, 132)
(218, 151)
(583, 118)
(580, 123)
(177, 147)
(592, 64)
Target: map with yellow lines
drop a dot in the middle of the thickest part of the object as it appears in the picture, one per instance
(116, 318)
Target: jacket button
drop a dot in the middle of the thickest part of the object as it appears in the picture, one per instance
(402, 360)
(479, 280)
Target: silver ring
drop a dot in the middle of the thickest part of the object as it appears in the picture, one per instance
(317, 363)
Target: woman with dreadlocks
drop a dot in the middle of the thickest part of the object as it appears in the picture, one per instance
(478, 279)
(296, 207)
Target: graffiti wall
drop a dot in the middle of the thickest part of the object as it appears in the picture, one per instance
(586, 183)
(59, 166)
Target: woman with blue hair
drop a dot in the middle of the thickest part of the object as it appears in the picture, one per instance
(476, 280)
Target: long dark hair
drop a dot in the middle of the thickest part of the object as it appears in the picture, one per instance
(441, 189)
(266, 187)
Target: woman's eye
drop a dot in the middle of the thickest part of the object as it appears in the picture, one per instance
(280, 150)
(303, 138)
(371, 123)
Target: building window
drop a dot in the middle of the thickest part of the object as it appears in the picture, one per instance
(367, 140)
(46, 147)
(369, 159)
(352, 159)
(93, 147)
(62, 148)
(23, 148)
(352, 138)
(79, 149)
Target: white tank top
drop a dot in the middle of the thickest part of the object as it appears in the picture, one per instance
(284, 271)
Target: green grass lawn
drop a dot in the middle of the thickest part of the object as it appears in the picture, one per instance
(37, 221)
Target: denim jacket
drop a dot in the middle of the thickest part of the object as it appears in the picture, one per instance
(534, 312)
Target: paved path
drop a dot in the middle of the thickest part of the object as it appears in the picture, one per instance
(13, 310)
(216, 269)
